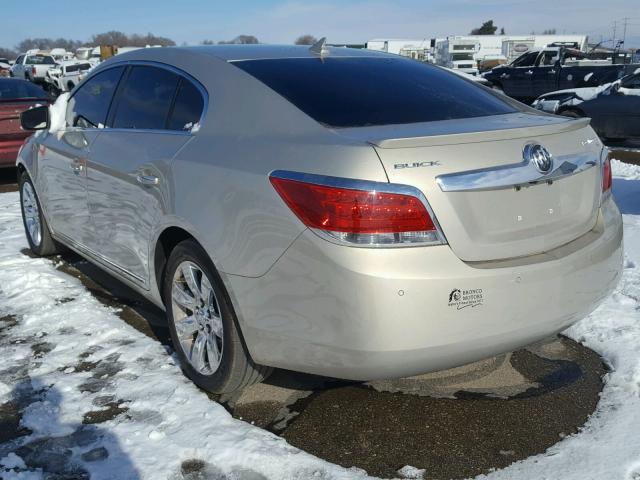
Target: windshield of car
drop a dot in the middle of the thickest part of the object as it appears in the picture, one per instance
(363, 91)
(40, 60)
(14, 89)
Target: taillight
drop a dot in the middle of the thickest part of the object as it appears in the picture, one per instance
(607, 177)
(358, 212)
(33, 71)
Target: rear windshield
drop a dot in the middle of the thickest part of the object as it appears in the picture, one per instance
(40, 60)
(357, 92)
(13, 89)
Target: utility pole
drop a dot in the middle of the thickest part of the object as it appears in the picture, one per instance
(615, 25)
(624, 31)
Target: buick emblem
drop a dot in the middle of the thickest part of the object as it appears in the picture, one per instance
(539, 156)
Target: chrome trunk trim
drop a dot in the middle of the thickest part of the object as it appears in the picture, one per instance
(515, 175)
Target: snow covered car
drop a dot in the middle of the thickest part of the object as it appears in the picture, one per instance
(341, 212)
(66, 75)
(614, 108)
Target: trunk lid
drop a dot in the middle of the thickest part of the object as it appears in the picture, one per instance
(10, 118)
(490, 203)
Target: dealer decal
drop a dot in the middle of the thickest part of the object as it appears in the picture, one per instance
(465, 298)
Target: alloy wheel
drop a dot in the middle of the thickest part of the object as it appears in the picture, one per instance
(31, 214)
(197, 318)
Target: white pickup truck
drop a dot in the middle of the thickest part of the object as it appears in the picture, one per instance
(66, 75)
(32, 66)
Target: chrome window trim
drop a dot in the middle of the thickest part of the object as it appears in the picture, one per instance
(181, 73)
(356, 184)
(515, 175)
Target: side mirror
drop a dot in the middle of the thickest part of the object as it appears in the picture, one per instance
(36, 118)
(615, 88)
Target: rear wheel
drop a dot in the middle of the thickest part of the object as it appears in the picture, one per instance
(203, 325)
(35, 225)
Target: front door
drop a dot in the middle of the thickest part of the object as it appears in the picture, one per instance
(63, 155)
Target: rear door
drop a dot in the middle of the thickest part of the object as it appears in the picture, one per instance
(152, 119)
(63, 155)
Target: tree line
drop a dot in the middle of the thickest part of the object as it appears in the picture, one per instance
(121, 39)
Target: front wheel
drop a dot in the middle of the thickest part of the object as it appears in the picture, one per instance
(203, 325)
(35, 225)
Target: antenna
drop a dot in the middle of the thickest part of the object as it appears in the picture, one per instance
(319, 48)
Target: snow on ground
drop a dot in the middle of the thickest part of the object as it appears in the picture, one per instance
(67, 358)
(68, 355)
(608, 447)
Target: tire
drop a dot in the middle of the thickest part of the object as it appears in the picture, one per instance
(201, 319)
(35, 225)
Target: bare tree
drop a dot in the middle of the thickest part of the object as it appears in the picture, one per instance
(47, 44)
(8, 53)
(306, 40)
(550, 31)
(121, 39)
(207, 42)
(241, 39)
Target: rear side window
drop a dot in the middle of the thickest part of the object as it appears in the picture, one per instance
(89, 105)
(40, 60)
(145, 99)
(357, 92)
(187, 108)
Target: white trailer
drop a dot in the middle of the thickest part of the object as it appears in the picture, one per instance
(419, 49)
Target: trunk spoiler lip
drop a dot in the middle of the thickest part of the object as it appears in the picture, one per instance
(471, 130)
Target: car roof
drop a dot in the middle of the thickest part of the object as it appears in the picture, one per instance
(231, 53)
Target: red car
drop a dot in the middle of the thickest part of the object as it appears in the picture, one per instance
(16, 96)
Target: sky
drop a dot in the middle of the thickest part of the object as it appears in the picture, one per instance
(345, 21)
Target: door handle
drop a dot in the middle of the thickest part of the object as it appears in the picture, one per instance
(77, 168)
(529, 72)
(551, 72)
(148, 179)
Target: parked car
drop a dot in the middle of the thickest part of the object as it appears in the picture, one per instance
(541, 71)
(341, 212)
(32, 67)
(614, 108)
(5, 67)
(65, 76)
(16, 96)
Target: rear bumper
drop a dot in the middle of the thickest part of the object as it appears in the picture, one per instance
(9, 152)
(362, 313)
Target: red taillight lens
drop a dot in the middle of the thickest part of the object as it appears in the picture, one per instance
(33, 71)
(358, 216)
(607, 177)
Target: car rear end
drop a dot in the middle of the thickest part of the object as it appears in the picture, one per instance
(37, 66)
(496, 228)
(16, 96)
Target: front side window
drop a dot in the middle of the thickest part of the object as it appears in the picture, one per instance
(145, 99)
(363, 91)
(632, 82)
(526, 60)
(89, 106)
(187, 108)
